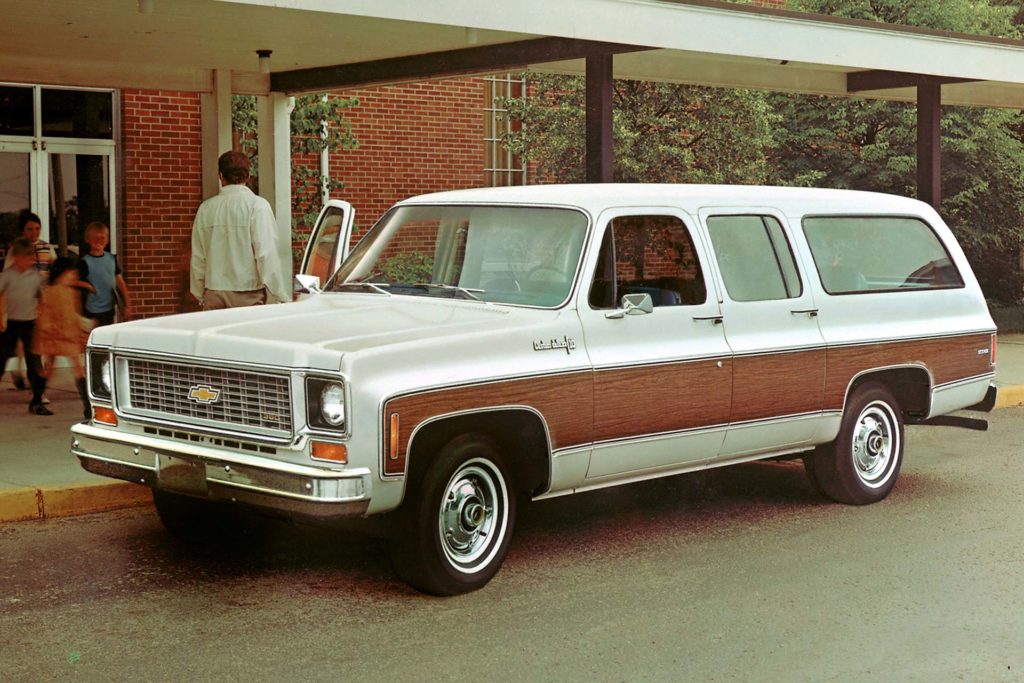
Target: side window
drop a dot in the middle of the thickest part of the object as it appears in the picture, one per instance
(648, 255)
(878, 253)
(754, 257)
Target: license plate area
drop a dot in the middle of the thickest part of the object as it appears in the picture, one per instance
(181, 475)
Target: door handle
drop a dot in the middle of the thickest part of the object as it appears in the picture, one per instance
(715, 319)
(809, 312)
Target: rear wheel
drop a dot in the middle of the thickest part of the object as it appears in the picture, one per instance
(452, 532)
(861, 466)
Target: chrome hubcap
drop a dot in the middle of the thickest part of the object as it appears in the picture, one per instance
(874, 444)
(472, 514)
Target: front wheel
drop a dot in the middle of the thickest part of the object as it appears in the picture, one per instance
(862, 464)
(453, 531)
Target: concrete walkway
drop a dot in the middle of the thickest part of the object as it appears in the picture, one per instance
(39, 477)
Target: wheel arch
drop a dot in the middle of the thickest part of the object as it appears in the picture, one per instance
(519, 431)
(911, 385)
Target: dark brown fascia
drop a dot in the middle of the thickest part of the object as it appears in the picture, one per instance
(460, 62)
(858, 81)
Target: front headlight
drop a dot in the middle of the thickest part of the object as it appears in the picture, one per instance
(332, 404)
(101, 373)
(325, 403)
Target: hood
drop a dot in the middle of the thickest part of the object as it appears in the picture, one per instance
(313, 332)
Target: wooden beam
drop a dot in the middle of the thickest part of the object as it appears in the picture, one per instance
(929, 167)
(460, 62)
(600, 159)
(858, 81)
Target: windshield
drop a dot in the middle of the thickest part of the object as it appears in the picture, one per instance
(516, 255)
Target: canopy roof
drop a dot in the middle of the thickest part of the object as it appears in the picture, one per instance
(330, 44)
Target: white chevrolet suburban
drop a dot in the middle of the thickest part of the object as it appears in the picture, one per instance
(480, 346)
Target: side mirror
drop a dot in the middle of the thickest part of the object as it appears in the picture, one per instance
(637, 304)
(307, 284)
(633, 304)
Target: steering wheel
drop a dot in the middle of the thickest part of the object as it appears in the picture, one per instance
(561, 274)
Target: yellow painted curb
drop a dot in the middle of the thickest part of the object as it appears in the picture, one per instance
(17, 505)
(81, 500)
(1009, 396)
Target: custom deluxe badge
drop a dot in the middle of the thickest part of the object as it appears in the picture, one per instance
(566, 343)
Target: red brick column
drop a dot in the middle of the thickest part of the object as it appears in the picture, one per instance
(162, 171)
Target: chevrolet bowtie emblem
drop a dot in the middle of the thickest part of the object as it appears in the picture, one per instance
(203, 394)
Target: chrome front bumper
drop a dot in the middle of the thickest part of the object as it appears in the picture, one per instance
(196, 470)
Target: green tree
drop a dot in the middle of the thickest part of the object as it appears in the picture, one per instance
(662, 132)
(674, 133)
(871, 145)
(318, 123)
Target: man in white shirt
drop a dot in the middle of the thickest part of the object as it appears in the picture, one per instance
(234, 244)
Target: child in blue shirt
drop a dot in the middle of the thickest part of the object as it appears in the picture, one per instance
(99, 269)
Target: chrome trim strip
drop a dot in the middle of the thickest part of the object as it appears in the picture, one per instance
(901, 340)
(965, 380)
(795, 417)
(704, 465)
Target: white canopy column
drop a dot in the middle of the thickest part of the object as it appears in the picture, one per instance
(273, 135)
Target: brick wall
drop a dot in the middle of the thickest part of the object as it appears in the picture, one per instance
(413, 139)
(162, 170)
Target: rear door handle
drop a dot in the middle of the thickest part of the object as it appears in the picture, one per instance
(715, 319)
(809, 312)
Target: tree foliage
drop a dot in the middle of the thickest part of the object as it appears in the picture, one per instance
(676, 133)
(662, 132)
(318, 123)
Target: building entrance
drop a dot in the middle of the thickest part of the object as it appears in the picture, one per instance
(57, 159)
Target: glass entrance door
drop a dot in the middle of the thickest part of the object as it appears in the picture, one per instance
(57, 160)
(16, 172)
(78, 192)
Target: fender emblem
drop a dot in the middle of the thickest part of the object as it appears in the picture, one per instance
(567, 343)
(201, 393)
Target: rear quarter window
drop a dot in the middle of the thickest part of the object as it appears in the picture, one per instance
(858, 254)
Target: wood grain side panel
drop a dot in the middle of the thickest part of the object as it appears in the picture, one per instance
(948, 359)
(664, 398)
(566, 402)
(777, 384)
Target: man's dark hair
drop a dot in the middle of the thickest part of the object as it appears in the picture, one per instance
(234, 166)
(25, 217)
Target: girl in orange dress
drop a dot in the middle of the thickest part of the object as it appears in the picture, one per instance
(61, 330)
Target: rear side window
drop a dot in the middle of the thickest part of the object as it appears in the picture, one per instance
(856, 254)
(754, 258)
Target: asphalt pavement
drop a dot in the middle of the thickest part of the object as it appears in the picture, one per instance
(39, 478)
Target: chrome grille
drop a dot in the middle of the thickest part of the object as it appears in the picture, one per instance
(246, 399)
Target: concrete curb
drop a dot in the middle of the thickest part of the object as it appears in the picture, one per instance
(26, 503)
(22, 504)
(1010, 396)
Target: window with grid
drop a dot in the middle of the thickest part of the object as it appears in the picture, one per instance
(502, 167)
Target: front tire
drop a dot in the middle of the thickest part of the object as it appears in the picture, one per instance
(454, 528)
(861, 466)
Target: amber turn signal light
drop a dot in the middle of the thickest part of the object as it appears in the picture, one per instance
(335, 452)
(393, 441)
(104, 416)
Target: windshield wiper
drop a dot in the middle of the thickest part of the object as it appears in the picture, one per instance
(379, 287)
(468, 292)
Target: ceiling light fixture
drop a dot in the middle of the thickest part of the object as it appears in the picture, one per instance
(264, 56)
